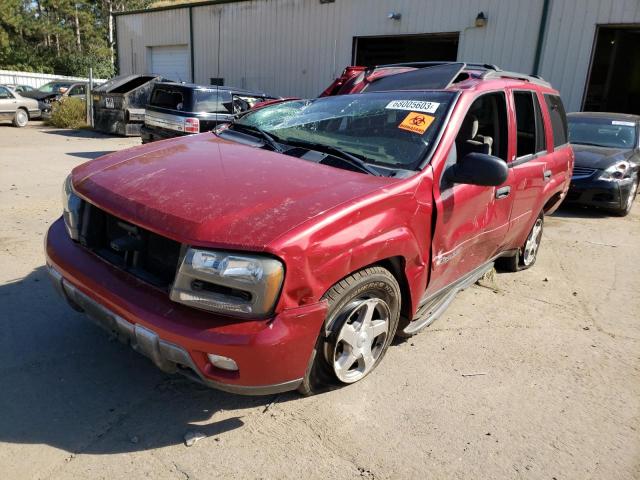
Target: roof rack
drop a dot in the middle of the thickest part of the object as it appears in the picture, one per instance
(537, 79)
(489, 70)
(481, 66)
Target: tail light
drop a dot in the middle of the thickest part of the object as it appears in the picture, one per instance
(192, 125)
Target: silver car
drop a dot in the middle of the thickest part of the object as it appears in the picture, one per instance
(16, 108)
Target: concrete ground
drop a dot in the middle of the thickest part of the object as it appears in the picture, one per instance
(538, 378)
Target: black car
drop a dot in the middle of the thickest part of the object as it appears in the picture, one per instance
(48, 93)
(607, 149)
(177, 109)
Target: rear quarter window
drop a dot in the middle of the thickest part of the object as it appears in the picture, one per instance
(167, 98)
(558, 118)
(212, 101)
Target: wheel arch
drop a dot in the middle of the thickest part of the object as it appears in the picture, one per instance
(397, 266)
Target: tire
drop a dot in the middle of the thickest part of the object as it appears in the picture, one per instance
(624, 211)
(528, 253)
(20, 118)
(362, 318)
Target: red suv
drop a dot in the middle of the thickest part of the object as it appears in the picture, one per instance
(288, 254)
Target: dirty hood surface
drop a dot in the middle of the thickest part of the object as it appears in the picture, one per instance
(599, 157)
(207, 191)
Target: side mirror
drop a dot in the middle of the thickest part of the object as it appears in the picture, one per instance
(478, 169)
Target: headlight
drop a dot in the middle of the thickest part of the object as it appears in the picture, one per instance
(72, 209)
(615, 172)
(228, 282)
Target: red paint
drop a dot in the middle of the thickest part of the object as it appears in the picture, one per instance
(323, 222)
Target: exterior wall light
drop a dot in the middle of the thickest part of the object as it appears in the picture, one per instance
(481, 20)
(394, 16)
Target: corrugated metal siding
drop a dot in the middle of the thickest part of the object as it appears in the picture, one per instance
(297, 47)
(570, 37)
(142, 30)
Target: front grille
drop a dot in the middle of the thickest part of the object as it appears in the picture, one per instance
(583, 172)
(144, 254)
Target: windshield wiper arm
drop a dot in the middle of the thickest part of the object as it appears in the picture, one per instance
(338, 153)
(264, 136)
(589, 144)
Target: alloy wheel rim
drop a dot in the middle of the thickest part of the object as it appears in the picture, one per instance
(21, 117)
(361, 339)
(632, 195)
(532, 244)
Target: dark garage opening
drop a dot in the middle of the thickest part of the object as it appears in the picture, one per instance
(614, 82)
(371, 51)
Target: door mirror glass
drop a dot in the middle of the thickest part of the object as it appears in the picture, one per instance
(478, 169)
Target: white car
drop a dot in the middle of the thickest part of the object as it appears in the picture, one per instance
(17, 108)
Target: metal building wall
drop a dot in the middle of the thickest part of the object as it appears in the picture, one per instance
(569, 42)
(297, 47)
(137, 32)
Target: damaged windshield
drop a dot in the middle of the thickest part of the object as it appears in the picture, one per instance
(391, 129)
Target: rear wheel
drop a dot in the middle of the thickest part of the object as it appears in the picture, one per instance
(21, 118)
(527, 254)
(362, 318)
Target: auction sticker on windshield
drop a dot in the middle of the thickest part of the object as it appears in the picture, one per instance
(626, 124)
(416, 122)
(413, 106)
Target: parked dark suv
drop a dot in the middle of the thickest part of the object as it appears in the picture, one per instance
(177, 109)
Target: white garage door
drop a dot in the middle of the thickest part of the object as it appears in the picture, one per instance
(171, 62)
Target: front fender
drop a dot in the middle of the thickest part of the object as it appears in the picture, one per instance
(393, 224)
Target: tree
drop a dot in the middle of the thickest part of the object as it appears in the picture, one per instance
(60, 36)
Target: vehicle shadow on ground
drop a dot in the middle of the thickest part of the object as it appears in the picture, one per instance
(80, 133)
(90, 155)
(66, 384)
(576, 211)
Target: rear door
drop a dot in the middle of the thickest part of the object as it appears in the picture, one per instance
(472, 221)
(561, 157)
(528, 163)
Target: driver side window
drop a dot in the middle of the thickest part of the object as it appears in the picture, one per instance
(5, 93)
(484, 128)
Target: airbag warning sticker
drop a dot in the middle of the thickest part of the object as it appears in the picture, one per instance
(413, 105)
(416, 122)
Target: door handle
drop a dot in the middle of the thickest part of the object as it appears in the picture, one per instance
(547, 175)
(503, 192)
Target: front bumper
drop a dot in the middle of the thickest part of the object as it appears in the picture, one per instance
(599, 193)
(272, 355)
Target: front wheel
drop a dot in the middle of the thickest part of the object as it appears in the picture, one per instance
(363, 314)
(21, 118)
(527, 254)
(628, 204)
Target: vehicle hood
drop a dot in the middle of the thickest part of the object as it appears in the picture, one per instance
(203, 190)
(37, 95)
(599, 157)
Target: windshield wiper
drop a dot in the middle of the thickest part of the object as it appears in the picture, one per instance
(590, 144)
(264, 136)
(338, 153)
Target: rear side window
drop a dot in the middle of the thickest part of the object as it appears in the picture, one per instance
(558, 119)
(212, 101)
(167, 98)
(529, 126)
